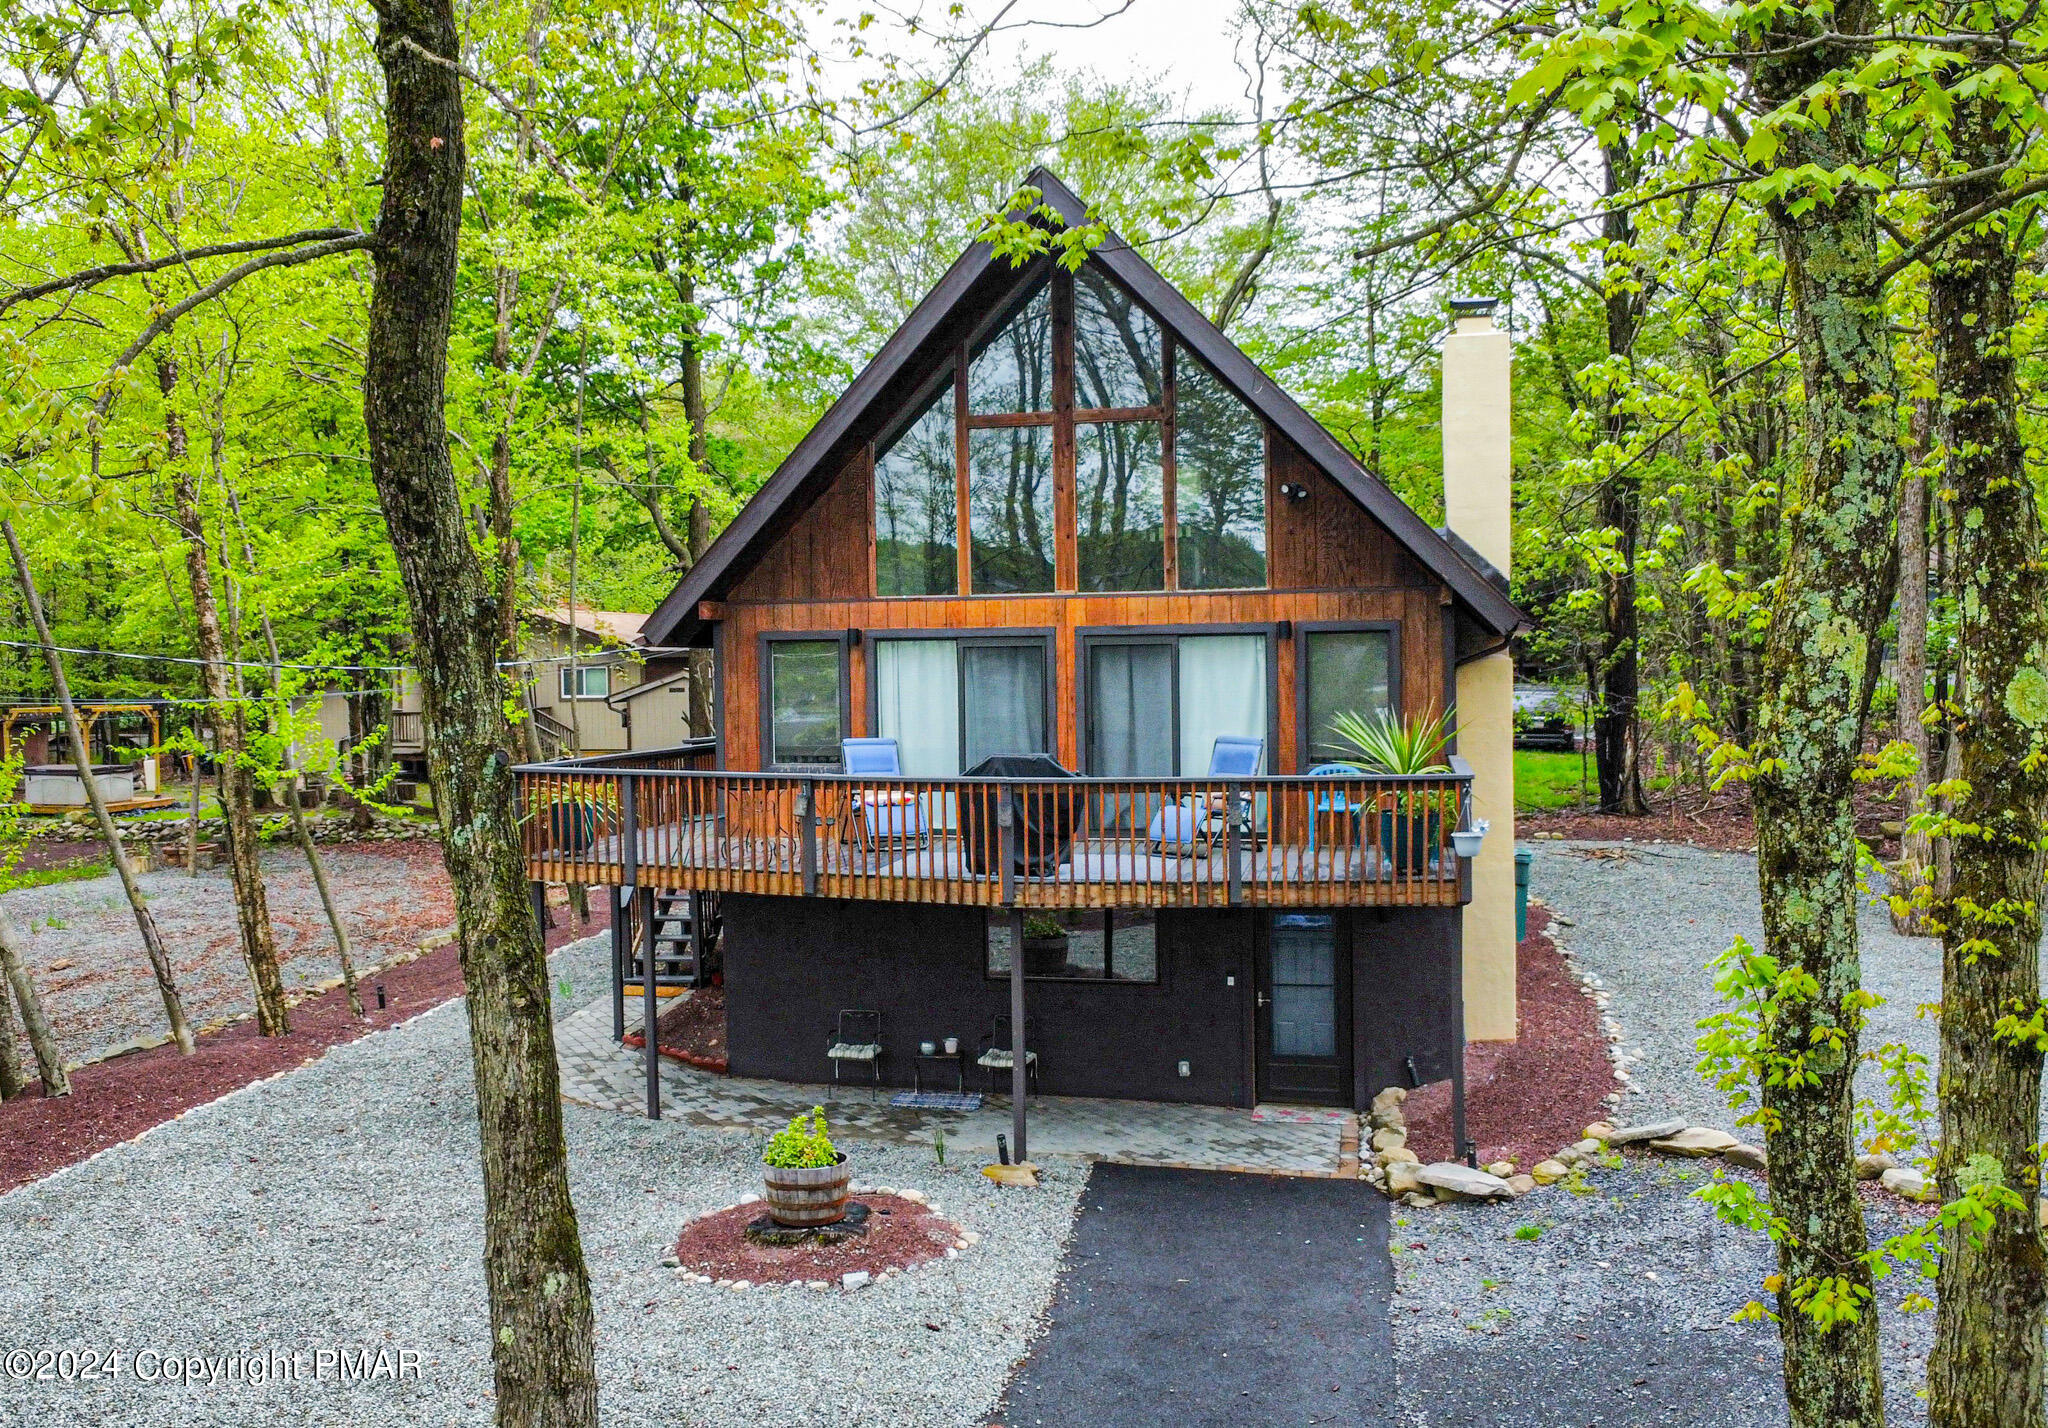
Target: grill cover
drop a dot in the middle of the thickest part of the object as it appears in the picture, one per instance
(1043, 825)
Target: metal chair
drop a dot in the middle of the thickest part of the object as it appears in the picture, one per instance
(998, 1052)
(1193, 820)
(880, 816)
(857, 1038)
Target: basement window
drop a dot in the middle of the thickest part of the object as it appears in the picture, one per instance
(1120, 945)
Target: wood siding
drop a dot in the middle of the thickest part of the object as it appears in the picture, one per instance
(1328, 562)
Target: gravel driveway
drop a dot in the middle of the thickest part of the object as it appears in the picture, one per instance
(1647, 917)
(97, 987)
(340, 1205)
(1616, 1313)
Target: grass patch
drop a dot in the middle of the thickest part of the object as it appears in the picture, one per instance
(71, 873)
(1545, 779)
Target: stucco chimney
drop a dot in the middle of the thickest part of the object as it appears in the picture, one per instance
(1478, 465)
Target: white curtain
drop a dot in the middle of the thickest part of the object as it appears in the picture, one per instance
(1005, 692)
(1222, 691)
(917, 703)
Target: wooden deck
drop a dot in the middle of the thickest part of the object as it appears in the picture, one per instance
(1070, 843)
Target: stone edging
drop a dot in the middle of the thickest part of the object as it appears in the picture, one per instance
(848, 1282)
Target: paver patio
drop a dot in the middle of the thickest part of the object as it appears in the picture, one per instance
(597, 1071)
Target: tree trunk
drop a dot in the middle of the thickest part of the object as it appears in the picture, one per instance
(1916, 849)
(1819, 669)
(1617, 728)
(42, 1041)
(698, 414)
(541, 1325)
(12, 1081)
(1985, 1370)
(192, 822)
(229, 718)
(145, 920)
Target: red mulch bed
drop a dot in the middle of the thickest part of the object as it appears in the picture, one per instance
(902, 1234)
(1528, 1098)
(117, 1100)
(691, 1030)
(43, 853)
(1720, 820)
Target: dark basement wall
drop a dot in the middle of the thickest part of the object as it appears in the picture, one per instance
(792, 964)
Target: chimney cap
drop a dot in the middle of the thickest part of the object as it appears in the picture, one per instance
(1473, 306)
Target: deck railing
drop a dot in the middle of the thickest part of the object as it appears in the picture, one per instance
(1368, 840)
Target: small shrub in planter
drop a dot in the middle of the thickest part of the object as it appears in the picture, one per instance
(804, 1177)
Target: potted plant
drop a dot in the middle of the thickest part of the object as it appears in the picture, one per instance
(1411, 824)
(804, 1177)
(1045, 946)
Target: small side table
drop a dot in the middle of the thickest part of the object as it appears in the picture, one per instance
(939, 1059)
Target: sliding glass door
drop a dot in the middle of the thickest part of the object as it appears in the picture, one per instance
(950, 703)
(1157, 703)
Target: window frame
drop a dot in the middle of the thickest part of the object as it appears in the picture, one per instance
(1156, 982)
(1043, 637)
(1302, 632)
(582, 669)
(764, 686)
(1086, 638)
(1064, 418)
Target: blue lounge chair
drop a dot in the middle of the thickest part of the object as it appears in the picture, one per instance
(1180, 826)
(883, 815)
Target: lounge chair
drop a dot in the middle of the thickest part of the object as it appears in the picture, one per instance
(1202, 820)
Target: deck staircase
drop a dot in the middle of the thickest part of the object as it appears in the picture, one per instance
(675, 953)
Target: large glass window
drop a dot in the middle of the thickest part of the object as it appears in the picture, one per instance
(1344, 672)
(805, 722)
(1117, 350)
(1157, 704)
(1219, 484)
(1118, 946)
(1120, 506)
(917, 520)
(949, 704)
(1010, 509)
(1013, 371)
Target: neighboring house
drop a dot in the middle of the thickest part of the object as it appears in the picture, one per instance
(1062, 515)
(605, 701)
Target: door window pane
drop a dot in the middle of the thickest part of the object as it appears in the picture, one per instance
(917, 703)
(1003, 687)
(916, 521)
(1013, 371)
(1119, 497)
(1116, 345)
(1348, 672)
(1222, 691)
(1009, 496)
(1130, 704)
(1219, 483)
(1304, 985)
(803, 701)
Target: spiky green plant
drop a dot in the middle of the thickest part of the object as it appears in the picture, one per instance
(1397, 746)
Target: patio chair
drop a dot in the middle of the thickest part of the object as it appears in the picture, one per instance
(1331, 802)
(997, 1055)
(881, 816)
(857, 1039)
(1197, 819)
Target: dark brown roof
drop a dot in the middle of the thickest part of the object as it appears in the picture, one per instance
(977, 282)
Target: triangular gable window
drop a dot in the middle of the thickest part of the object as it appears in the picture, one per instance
(1085, 469)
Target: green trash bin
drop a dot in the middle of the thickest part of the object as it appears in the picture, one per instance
(1523, 858)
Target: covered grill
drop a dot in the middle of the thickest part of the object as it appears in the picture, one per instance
(1043, 819)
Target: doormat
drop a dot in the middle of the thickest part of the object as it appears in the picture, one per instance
(937, 1100)
(1301, 1115)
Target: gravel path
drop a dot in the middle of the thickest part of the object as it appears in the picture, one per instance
(1646, 923)
(340, 1205)
(97, 986)
(1617, 1313)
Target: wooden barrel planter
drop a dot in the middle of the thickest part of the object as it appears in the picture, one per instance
(807, 1198)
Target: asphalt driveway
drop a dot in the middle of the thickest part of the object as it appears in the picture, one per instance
(1191, 1298)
